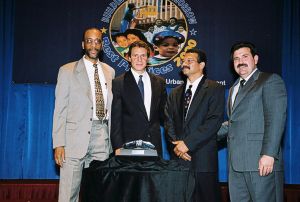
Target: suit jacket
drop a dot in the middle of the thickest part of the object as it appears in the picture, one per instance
(129, 117)
(256, 122)
(73, 112)
(199, 130)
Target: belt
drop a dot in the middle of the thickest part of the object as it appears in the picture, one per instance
(103, 121)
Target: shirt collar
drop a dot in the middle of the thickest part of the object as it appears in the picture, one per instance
(137, 75)
(86, 61)
(248, 77)
(195, 83)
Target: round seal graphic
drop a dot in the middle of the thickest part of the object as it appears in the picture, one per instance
(161, 24)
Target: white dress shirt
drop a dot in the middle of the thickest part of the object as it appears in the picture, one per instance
(194, 88)
(90, 72)
(147, 89)
(237, 86)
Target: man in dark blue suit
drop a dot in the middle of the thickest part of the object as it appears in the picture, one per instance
(138, 102)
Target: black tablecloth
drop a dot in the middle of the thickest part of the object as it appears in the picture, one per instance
(127, 180)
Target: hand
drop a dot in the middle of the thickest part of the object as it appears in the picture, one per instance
(265, 165)
(59, 156)
(181, 150)
(186, 157)
(118, 151)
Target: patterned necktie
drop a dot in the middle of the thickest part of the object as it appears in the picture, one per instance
(100, 113)
(187, 99)
(141, 86)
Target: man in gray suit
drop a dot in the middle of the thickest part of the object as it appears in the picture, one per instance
(81, 116)
(256, 110)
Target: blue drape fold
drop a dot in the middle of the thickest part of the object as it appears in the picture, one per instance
(291, 73)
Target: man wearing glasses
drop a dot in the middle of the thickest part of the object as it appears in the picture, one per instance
(194, 113)
(81, 116)
(138, 102)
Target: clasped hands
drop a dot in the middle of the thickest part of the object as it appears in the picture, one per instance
(181, 150)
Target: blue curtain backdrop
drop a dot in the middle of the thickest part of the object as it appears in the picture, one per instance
(26, 109)
(291, 73)
(25, 115)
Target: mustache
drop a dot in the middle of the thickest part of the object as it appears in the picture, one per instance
(241, 65)
(90, 49)
(186, 67)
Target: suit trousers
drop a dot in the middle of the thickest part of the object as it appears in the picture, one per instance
(207, 188)
(71, 171)
(250, 186)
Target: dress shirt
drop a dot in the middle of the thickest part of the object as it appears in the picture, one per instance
(90, 72)
(237, 86)
(147, 89)
(194, 88)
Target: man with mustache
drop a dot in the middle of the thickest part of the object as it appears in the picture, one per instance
(194, 113)
(256, 110)
(81, 116)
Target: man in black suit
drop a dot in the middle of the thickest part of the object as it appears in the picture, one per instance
(138, 102)
(194, 113)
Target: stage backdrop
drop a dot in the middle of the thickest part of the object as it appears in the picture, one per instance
(48, 34)
(37, 37)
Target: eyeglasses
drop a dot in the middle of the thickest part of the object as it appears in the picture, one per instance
(188, 61)
(90, 41)
(142, 57)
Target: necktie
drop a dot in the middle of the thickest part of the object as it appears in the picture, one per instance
(141, 86)
(187, 99)
(242, 83)
(100, 113)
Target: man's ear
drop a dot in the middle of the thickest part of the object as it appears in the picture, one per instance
(202, 65)
(256, 59)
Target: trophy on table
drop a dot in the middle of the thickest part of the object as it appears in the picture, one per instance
(138, 148)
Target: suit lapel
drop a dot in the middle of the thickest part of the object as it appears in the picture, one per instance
(229, 100)
(108, 82)
(82, 78)
(155, 94)
(248, 86)
(200, 91)
(179, 100)
(107, 75)
(133, 92)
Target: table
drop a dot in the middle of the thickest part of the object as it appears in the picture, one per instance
(125, 180)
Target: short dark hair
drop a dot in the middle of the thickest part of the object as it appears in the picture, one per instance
(201, 54)
(88, 29)
(173, 18)
(137, 33)
(114, 37)
(159, 19)
(243, 44)
(139, 44)
(131, 6)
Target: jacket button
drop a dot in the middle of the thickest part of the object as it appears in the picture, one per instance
(91, 119)
(91, 108)
(89, 132)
